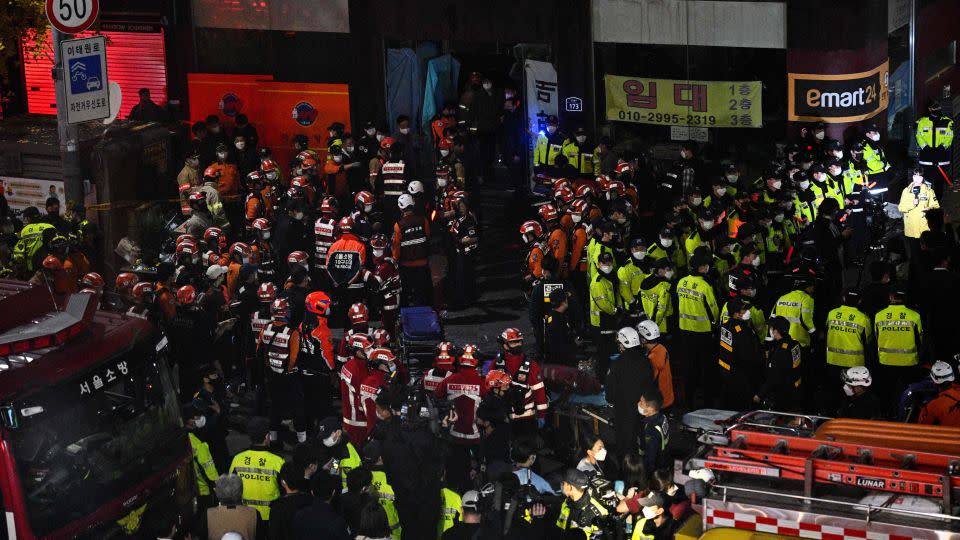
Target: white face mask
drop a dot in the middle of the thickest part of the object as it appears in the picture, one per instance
(370, 131)
(487, 86)
(551, 129)
(721, 192)
(683, 154)
(819, 135)
(745, 316)
(732, 178)
(337, 159)
(696, 201)
(873, 136)
(214, 129)
(834, 170)
(668, 274)
(755, 262)
(848, 390)
(441, 182)
(804, 184)
(240, 145)
(917, 179)
(606, 268)
(378, 253)
(649, 512)
(806, 166)
(776, 184)
(706, 225)
(838, 154)
(601, 454)
(444, 152)
(332, 440)
(778, 218)
(379, 137)
(666, 242)
(265, 235)
(639, 255)
(348, 148)
(581, 139)
(576, 218)
(200, 421)
(298, 215)
(404, 131)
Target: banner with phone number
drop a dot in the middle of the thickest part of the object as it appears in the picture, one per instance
(670, 102)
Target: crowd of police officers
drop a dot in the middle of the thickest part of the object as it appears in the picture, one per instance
(677, 287)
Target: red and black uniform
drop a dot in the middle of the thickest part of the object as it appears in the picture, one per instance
(279, 346)
(385, 279)
(324, 235)
(526, 373)
(344, 348)
(411, 249)
(266, 261)
(317, 365)
(352, 374)
(464, 389)
(370, 388)
(434, 377)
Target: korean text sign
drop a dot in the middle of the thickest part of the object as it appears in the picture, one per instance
(669, 102)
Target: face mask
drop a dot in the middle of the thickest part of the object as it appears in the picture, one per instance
(273, 175)
(639, 255)
(778, 218)
(806, 166)
(640, 410)
(834, 171)
(581, 139)
(487, 86)
(838, 154)
(649, 512)
(348, 148)
(745, 316)
(874, 137)
(379, 137)
(370, 132)
(404, 131)
(755, 262)
(732, 178)
(666, 242)
(551, 129)
(848, 390)
(378, 253)
(683, 154)
(298, 216)
(917, 179)
(441, 182)
(696, 201)
(368, 208)
(508, 95)
(193, 163)
(804, 184)
(606, 268)
(444, 152)
(337, 159)
(331, 441)
(332, 134)
(668, 274)
(706, 225)
(721, 192)
(776, 184)
(240, 145)
(200, 422)
(819, 135)
(576, 218)
(265, 235)
(621, 220)
(601, 454)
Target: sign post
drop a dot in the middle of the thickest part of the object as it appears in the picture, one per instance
(70, 17)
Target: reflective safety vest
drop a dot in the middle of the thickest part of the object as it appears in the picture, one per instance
(804, 211)
(675, 253)
(452, 510)
(31, 240)
(848, 332)
(630, 276)
(638, 530)
(580, 160)
(277, 344)
(692, 243)
(324, 235)
(851, 177)
(934, 132)
(658, 304)
(899, 334)
(697, 305)
(259, 320)
(604, 300)
(385, 497)
(545, 152)
(413, 239)
(259, 470)
(203, 466)
(347, 464)
(594, 249)
(874, 159)
(758, 321)
(394, 179)
(564, 523)
(797, 307)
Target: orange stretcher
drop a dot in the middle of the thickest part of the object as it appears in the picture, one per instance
(917, 437)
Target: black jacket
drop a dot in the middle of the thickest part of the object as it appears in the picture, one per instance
(781, 385)
(630, 376)
(319, 520)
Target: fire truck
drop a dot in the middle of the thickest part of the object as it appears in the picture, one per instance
(814, 477)
(91, 441)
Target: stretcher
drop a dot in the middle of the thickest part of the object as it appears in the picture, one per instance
(924, 438)
(420, 332)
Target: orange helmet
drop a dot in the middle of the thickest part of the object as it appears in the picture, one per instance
(143, 291)
(268, 165)
(497, 378)
(92, 280)
(358, 314)
(318, 303)
(387, 142)
(52, 263)
(300, 182)
(363, 198)
(531, 227)
(304, 154)
(444, 358)
(267, 292)
(186, 295)
(381, 338)
(125, 280)
(211, 172)
(468, 358)
(308, 165)
(548, 213)
(511, 336)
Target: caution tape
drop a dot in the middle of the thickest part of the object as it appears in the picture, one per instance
(122, 205)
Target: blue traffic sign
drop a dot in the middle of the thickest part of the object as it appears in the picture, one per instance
(85, 74)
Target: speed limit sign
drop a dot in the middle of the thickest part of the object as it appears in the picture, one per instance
(72, 16)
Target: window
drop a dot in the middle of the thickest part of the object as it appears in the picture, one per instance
(939, 61)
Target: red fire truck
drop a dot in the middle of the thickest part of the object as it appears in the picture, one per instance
(91, 442)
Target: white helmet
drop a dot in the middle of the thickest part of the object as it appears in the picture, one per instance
(648, 330)
(415, 187)
(405, 201)
(628, 337)
(857, 376)
(941, 372)
(216, 272)
(702, 474)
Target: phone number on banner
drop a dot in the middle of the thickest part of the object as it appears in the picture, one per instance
(667, 119)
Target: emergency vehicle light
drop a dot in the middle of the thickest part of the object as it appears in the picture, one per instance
(42, 342)
(50, 330)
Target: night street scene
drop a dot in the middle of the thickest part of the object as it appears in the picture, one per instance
(452, 270)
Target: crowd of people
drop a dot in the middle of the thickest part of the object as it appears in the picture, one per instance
(673, 286)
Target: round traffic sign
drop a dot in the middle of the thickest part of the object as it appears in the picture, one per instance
(72, 16)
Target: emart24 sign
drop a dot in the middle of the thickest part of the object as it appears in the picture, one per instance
(837, 98)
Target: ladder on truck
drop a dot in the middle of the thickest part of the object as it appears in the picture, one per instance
(744, 449)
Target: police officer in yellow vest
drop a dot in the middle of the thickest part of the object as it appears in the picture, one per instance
(874, 156)
(579, 152)
(849, 332)
(935, 141)
(30, 248)
(373, 459)
(345, 455)
(656, 294)
(580, 510)
(203, 467)
(259, 469)
(452, 510)
(549, 145)
(631, 275)
(655, 521)
(899, 341)
(698, 317)
(797, 307)
(605, 309)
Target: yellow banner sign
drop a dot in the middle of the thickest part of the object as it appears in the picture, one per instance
(669, 102)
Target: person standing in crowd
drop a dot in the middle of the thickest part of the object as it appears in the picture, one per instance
(146, 110)
(629, 378)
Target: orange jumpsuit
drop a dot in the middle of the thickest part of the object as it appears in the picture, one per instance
(944, 410)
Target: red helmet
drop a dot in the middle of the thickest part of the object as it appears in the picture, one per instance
(92, 280)
(603, 183)
(563, 194)
(304, 154)
(298, 257)
(211, 172)
(618, 187)
(578, 206)
(584, 191)
(379, 241)
(458, 195)
(382, 355)
(308, 165)
(511, 336)
(186, 249)
(253, 178)
(261, 224)
(361, 341)
(345, 224)
(387, 142)
(358, 314)
(561, 183)
(444, 358)
(497, 378)
(198, 197)
(213, 235)
(267, 292)
(241, 249)
(301, 182)
(468, 358)
(548, 213)
(623, 167)
(381, 338)
(211, 257)
(52, 263)
(125, 280)
(142, 290)
(328, 205)
(185, 188)
(280, 308)
(531, 227)
(268, 165)
(363, 198)
(186, 295)
(318, 303)
(186, 238)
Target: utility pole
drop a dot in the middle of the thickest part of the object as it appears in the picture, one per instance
(68, 134)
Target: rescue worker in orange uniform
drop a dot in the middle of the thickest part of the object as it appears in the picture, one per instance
(944, 410)
(532, 234)
(347, 251)
(279, 347)
(317, 364)
(411, 248)
(557, 237)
